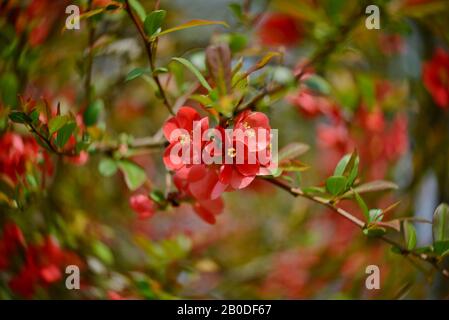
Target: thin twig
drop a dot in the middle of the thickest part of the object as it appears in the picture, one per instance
(150, 47)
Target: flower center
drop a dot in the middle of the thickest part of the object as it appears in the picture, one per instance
(250, 133)
(246, 125)
(232, 152)
(184, 138)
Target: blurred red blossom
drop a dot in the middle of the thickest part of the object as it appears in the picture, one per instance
(436, 77)
(17, 151)
(44, 264)
(277, 29)
(142, 205)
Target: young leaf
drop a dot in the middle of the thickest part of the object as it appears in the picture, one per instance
(293, 165)
(348, 166)
(107, 167)
(362, 205)
(135, 73)
(92, 113)
(195, 71)
(336, 184)
(410, 235)
(64, 134)
(377, 185)
(153, 22)
(375, 215)
(19, 117)
(374, 232)
(293, 150)
(218, 61)
(440, 226)
(318, 84)
(57, 123)
(441, 248)
(193, 23)
(134, 175)
(138, 8)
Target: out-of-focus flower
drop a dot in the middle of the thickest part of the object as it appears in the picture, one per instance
(391, 43)
(16, 152)
(277, 29)
(142, 205)
(436, 77)
(43, 266)
(310, 104)
(12, 238)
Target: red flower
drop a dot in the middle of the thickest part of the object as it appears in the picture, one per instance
(436, 77)
(142, 205)
(43, 265)
(178, 130)
(279, 29)
(16, 152)
(12, 238)
(310, 104)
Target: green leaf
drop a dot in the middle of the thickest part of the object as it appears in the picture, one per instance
(134, 175)
(138, 8)
(441, 248)
(64, 134)
(375, 215)
(236, 8)
(318, 84)
(336, 184)
(107, 167)
(57, 123)
(440, 225)
(9, 86)
(348, 166)
(195, 71)
(153, 22)
(137, 72)
(160, 70)
(19, 117)
(157, 196)
(367, 89)
(193, 23)
(410, 235)
(293, 150)
(237, 42)
(374, 232)
(362, 206)
(103, 252)
(92, 113)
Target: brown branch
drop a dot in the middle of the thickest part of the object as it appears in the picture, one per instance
(296, 192)
(150, 47)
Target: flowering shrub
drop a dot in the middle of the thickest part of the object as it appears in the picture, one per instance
(155, 151)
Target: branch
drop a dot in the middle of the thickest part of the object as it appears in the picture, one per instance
(296, 192)
(151, 48)
(319, 55)
(51, 147)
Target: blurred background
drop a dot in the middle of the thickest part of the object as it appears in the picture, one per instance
(384, 92)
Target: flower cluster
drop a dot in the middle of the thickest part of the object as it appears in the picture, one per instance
(43, 262)
(17, 153)
(236, 153)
